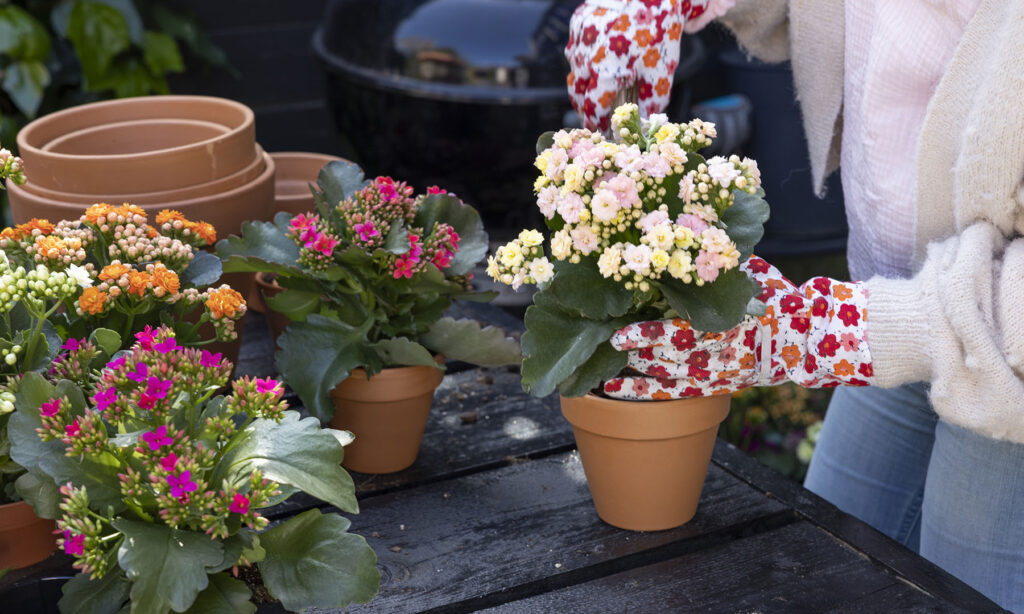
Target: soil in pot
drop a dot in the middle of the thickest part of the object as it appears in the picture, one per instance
(25, 538)
(387, 414)
(645, 461)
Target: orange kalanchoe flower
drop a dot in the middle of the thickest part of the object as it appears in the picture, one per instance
(11, 234)
(205, 231)
(165, 280)
(50, 247)
(169, 215)
(112, 272)
(224, 302)
(138, 281)
(43, 226)
(92, 301)
(97, 214)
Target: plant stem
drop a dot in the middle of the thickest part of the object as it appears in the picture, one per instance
(127, 327)
(37, 333)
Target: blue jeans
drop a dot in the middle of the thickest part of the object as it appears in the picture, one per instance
(950, 494)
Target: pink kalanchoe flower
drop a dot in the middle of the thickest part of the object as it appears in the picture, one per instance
(366, 231)
(707, 265)
(105, 398)
(436, 190)
(167, 345)
(158, 387)
(139, 374)
(239, 504)
(324, 244)
(74, 545)
(157, 439)
(301, 222)
(268, 385)
(73, 429)
(386, 187)
(168, 462)
(209, 360)
(50, 408)
(71, 344)
(116, 364)
(181, 484)
(146, 337)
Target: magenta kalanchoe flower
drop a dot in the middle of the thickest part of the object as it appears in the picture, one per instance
(50, 408)
(268, 385)
(386, 187)
(75, 546)
(181, 484)
(209, 360)
(366, 231)
(167, 345)
(73, 429)
(156, 389)
(105, 398)
(71, 344)
(436, 190)
(147, 337)
(139, 374)
(157, 439)
(117, 364)
(169, 462)
(239, 504)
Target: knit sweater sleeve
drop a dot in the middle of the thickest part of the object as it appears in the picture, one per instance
(959, 325)
(762, 27)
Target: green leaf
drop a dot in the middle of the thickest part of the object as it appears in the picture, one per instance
(317, 354)
(98, 32)
(400, 351)
(338, 180)
(106, 340)
(756, 307)
(606, 363)
(161, 54)
(40, 491)
(295, 452)
(465, 220)
(312, 561)
(103, 596)
(224, 595)
(581, 287)
(25, 82)
(262, 247)
(745, 221)
(715, 306)
(557, 342)
(204, 270)
(464, 340)
(60, 17)
(187, 30)
(167, 566)
(22, 37)
(296, 304)
(397, 241)
(544, 141)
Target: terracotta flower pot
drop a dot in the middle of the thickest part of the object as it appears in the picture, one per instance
(295, 171)
(645, 461)
(387, 414)
(133, 137)
(217, 186)
(138, 167)
(24, 537)
(265, 288)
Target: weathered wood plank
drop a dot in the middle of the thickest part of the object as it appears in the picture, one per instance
(520, 527)
(873, 544)
(795, 568)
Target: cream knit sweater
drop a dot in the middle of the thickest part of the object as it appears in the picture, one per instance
(959, 323)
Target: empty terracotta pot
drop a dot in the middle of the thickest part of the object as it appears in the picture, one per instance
(24, 537)
(387, 414)
(645, 461)
(225, 210)
(138, 168)
(295, 171)
(138, 136)
(234, 180)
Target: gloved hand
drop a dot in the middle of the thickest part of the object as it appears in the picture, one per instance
(614, 44)
(813, 335)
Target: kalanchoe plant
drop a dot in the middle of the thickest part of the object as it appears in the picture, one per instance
(111, 269)
(368, 277)
(162, 484)
(643, 228)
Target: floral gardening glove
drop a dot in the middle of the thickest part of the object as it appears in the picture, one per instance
(813, 335)
(615, 44)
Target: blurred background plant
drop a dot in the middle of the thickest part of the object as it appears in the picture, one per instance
(60, 53)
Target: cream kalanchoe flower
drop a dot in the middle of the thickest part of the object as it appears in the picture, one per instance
(561, 245)
(622, 114)
(667, 133)
(531, 238)
(572, 178)
(605, 205)
(659, 260)
(610, 262)
(510, 254)
(541, 270)
(680, 265)
(661, 236)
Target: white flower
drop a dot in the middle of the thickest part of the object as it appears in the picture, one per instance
(572, 178)
(557, 160)
(80, 275)
(755, 172)
(680, 264)
(519, 279)
(686, 188)
(661, 236)
(652, 219)
(541, 270)
(510, 254)
(722, 170)
(672, 153)
(570, 206)
(584, 239)
(629, 159)
(668, 132)
(605, 205)
(531, 238)
(638, 258)
(659, 260)
(561, 244)
(562, 139)
(610, 261)
(656, 120)
(715, 240)
(546, 201)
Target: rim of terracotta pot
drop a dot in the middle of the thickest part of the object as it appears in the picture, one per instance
(204, 160)
(23, 200)
(656, 420)
(391, 384)
(17, 514)
(229, 182)
(295, 171)
(164, 133)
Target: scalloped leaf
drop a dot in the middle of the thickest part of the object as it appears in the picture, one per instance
(745, 221)
(581, 287)
(465, 340)
(465, 220)
(400, 351)
(604, 364)
(262, 246)
(713, 307)
(204, 270)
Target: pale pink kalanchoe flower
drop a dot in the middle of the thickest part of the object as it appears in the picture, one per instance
(652, 219)
(546, 201)
(692, 222)
(570, 206)
(707, 266)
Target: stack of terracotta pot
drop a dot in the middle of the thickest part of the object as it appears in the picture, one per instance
(195, 154)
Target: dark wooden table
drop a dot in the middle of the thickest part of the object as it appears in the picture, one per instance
(495, 516)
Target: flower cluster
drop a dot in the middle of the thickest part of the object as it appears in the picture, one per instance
(521, 261)
(165, 472)
(11, 167)
(641, 209)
